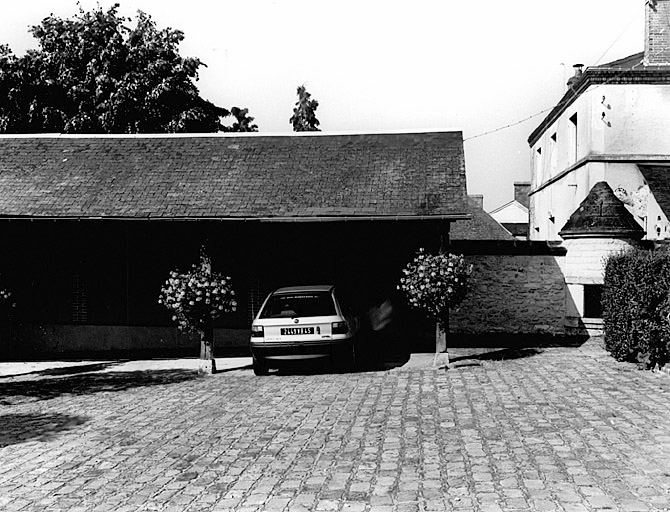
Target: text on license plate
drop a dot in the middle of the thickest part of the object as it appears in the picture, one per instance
(288, 331)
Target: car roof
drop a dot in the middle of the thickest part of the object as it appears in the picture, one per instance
(304, 288)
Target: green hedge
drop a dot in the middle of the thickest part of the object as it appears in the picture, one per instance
(636, 306)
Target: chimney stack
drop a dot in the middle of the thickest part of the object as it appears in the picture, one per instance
(657, 33)
(477, 200)
(578, 75)
(521, 189)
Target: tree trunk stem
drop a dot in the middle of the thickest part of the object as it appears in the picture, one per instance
(207, 362)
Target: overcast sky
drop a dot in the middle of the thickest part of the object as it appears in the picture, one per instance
(389, 65)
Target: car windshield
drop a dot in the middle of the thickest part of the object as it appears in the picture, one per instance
(299, 304)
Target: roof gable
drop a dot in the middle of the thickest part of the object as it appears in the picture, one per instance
(513, 211)
(242, 176)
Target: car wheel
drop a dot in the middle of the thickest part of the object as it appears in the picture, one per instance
(259, 367)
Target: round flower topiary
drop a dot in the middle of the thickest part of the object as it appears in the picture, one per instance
(435, 283)
(196, 297)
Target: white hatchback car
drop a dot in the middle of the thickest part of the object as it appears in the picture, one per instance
(303, 322)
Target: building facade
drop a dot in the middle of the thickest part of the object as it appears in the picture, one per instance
(611, 125)
(513, 216)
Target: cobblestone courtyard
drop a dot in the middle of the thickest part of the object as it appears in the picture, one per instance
(560, 428)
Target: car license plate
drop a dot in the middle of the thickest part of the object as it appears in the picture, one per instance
(289, 331)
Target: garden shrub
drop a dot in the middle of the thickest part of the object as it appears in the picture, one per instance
(636, 306)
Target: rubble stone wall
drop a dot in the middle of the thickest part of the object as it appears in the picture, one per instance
(513, 293)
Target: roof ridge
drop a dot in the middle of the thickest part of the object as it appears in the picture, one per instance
(222, 135)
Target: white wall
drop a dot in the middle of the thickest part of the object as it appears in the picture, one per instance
(513, 212)
(635, 126)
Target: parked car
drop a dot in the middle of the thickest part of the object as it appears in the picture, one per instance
(303, 322)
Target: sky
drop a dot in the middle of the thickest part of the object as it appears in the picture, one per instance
(377, 66)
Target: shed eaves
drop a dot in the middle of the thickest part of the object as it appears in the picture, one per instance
(252, 176)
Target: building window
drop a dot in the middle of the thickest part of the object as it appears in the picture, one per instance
(553, 156)
(592, 301)
(573, 138)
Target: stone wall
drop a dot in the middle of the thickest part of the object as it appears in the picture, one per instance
(517, 288)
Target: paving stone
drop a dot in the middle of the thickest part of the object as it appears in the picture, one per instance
(566, 428)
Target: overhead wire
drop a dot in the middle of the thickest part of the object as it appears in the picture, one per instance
(495, 130)
(508, 125)
(634, 18)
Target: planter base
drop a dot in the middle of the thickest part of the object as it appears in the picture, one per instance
(441, 360)
(441, 354)
(207, 367)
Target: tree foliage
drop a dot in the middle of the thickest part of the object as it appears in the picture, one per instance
(197, 297)
(94, 74)
(304, 114)
(243, 122)
(436, 283)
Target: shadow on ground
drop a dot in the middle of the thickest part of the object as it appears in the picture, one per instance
(366, 362)
(499, 355)
(51, 387)
(84, 368)
(20, 428)
(233, 369)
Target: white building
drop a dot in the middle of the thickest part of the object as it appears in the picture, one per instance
(612, 125)
(513, 216)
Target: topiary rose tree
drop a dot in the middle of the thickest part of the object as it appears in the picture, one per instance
(436, 283)
(196, 298)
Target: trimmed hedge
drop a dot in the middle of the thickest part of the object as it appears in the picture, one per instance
(636, 306)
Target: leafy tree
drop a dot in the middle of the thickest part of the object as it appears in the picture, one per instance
(304, 114)
(94, 74)
(196, 298)
(243, 122)
(436, 283)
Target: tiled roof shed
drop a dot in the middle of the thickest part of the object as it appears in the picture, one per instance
(252, 176)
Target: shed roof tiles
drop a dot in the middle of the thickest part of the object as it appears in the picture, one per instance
(236, 177)
(481, 226)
